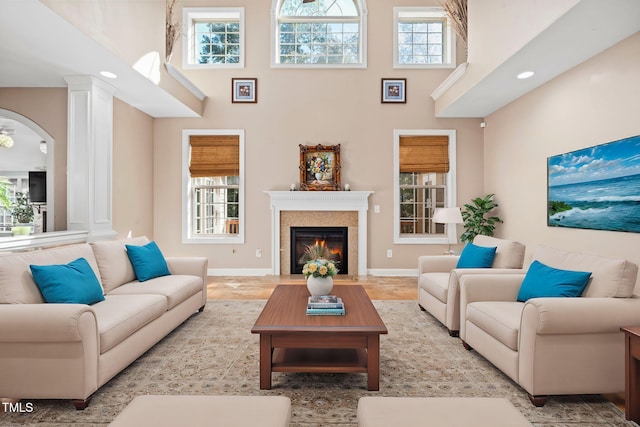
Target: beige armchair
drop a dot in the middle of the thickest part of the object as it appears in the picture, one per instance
(438, 278)
(554, 346)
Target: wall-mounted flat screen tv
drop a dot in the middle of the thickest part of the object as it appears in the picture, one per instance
(38, 186)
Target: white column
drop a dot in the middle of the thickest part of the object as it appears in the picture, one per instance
(89, 156)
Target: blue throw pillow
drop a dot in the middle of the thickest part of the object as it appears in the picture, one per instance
(474, 256)
(73, 283)
(148, 262)
(543, 281)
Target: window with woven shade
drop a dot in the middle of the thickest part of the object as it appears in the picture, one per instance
(214, 164)
(424, 167)
(424, 153)
(214, 155)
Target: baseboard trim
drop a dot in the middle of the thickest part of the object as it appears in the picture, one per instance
(393, 272)
(239, 272)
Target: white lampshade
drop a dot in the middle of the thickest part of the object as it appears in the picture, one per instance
(447, 216)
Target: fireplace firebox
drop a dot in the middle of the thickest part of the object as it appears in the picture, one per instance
(333, 240)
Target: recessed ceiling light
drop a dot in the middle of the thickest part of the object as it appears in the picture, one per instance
(525, 75)
(108, 74)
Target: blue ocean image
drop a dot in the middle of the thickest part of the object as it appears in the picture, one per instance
(597, 187)
(604, 205)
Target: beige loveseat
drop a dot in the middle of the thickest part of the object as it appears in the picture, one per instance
(560, 345)
(68, 351)
(438, 278)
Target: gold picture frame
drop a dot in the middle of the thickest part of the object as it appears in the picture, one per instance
(320, 167)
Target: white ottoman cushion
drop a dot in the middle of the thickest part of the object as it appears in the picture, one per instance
(215, 411)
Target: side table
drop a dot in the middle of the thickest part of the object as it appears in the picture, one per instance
(632, 373)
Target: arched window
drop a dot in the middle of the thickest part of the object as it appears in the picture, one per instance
(319, 33)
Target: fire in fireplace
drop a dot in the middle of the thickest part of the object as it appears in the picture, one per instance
(332, 240)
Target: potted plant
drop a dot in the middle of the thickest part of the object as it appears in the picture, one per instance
(22, 212)
(476, 220)
(4, 192)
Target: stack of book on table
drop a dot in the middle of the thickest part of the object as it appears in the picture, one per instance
(325, 305)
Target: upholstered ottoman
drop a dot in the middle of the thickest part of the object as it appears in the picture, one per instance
(193, 411)
(438, 412)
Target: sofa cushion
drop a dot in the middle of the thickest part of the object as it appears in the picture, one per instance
(119, 316)
(113, 262)
(473, 256)
(436, 284)
(16, 282)
(72, 283)
(509, 254)
(610, 277)
(542, 281)
(500, 319)
(176, 288)
(148, 261)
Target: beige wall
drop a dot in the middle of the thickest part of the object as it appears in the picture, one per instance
(48, 108)
(132, 171)
(132, 155)
(305, 106)
(594, 103)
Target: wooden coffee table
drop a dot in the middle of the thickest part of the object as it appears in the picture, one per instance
(292, 341)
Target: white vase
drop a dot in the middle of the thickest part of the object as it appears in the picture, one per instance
(319, 285)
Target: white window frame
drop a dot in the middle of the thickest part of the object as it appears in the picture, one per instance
(187, 203)
(275, 40)
(189, 14)
(450, 199)
(449, 38)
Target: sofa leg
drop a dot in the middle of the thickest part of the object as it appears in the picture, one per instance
(81, 404)
(538, 401)
(201, 309)
(421, 308)
(466, 346)
(454, 334)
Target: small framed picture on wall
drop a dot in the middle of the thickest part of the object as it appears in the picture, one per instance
(394, 91)
(244, 90)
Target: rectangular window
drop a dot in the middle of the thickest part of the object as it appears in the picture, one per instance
(424, 164)
(214, 38)
(213, 166)
(422, 38)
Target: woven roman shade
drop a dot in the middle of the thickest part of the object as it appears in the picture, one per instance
(424, 153)
(214, 155)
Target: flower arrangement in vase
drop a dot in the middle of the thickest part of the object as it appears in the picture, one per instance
(318, 271)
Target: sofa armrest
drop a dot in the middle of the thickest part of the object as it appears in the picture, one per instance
(193, 266)
(437, 263)
(39, 323)
(562, 316)
(48, 351)
(489, 287)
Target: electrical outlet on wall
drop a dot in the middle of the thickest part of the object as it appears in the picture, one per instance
(258, 253)
(389, 253)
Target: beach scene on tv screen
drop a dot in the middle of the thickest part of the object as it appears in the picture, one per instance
(596, 187)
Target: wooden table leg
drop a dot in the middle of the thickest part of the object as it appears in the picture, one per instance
(265, 361)
(373, 362)
(632, 389)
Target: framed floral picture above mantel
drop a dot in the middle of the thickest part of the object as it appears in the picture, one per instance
(320, 167)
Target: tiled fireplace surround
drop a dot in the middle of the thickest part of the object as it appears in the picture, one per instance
(319, 208)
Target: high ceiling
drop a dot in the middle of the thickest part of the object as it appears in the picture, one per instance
(39, 48)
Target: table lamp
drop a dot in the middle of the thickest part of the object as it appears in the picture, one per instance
(448, 216)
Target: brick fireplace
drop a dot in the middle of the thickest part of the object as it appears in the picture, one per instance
(319, 209)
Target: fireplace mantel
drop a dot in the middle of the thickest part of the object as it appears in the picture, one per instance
(319, 201)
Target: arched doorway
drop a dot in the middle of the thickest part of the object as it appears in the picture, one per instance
(33, 150)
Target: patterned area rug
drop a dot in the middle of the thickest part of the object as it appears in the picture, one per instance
(215, 353)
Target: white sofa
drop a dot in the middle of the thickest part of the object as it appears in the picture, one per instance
(438, 278)
(560, 345)
(68, 351)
